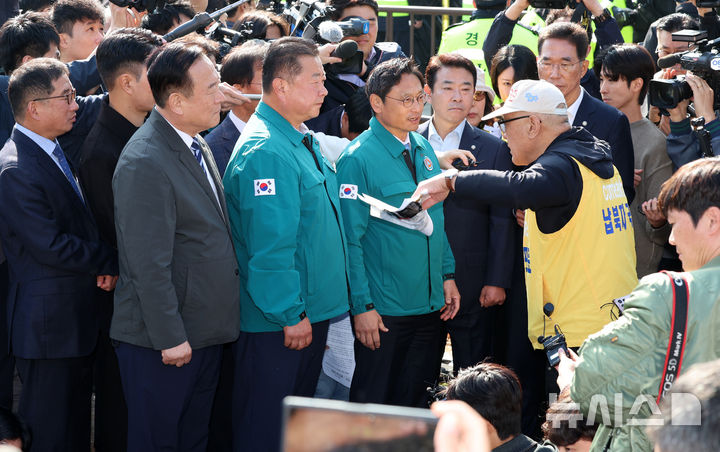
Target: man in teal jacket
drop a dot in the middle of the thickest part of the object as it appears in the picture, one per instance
(400, 279)
(617, 375)
(284, 211)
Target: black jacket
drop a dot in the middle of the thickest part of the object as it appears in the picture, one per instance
(551, 186)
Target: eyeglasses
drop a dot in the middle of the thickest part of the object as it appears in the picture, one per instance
(69, 97)
(479, 95)
(564, 67)
(409, 101)
(502, 121)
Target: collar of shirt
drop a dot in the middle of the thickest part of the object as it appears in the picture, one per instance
(573, 109)
(354, 78)
(451, 141)
(239, 123)
(46, 145)
(277, 121)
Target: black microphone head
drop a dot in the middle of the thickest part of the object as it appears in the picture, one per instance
(548, 309)
(346, 49)
(669, 61)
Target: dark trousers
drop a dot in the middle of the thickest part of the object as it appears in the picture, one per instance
(168, 406)
(405, 365)
(110, 408)
(265, 372)
(55, 402)
(7, 362)
(220, 439)
(474, 337)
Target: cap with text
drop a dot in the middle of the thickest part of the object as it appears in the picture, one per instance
(532, 96)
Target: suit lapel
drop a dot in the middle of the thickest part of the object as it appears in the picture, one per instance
(467, 138)
(585, 111)
(187, 159)
(48, 166)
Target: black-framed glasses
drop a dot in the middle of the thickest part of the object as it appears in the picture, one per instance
(69, 97)
(502, 121)
(409, 101)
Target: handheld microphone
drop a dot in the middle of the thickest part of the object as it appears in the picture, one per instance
(669, 61)
(201, 20)
(330, 31)
(346, 49)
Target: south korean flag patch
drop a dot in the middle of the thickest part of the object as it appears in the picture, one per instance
(264, 187)
(348, 191)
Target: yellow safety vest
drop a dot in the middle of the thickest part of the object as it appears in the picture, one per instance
(584, 265)
(393, 3)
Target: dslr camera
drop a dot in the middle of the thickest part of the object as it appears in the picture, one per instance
(703, 62)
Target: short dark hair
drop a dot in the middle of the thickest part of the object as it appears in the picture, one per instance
(494, 391)
(448, 60)
(66, 12)
(520, 58)
(628, 61)
(258, 21)
(699, 387)
(283, 59)
(161, 20)
(209, 46)
(388, 74)
(33, 80)
(567, 31)
(35, 5)
(168, 70)
(676, 22)
(358, 111)
(340, 6)
(125, 51)
(694, 188)
(239, 65)
(564, 422)
(29, 33)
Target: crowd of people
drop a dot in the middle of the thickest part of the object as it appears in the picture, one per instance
(178, 257)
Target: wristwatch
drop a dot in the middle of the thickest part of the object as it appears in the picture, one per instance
(602, 17)
(449, 176)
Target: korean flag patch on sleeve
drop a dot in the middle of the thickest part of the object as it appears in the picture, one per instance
(264, 187)
(348, 191)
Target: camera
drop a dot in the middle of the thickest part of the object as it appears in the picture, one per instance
(703, 62)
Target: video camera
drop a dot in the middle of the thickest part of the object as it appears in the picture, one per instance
(703, 62)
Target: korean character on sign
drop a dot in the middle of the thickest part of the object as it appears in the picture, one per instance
(607, 217)
(622, 216)
(471, 39)
(629, 217)
(526, 258)
(616, 217)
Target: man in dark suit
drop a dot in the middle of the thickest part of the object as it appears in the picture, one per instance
(56, 261)
(241, 68)
(481, 236)
(563, 48)
(177, 299)
(121, 62)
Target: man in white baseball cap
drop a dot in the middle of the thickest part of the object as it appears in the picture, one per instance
(578, 241)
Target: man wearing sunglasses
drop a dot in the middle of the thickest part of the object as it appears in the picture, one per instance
(578, 245)
(401, 281)
(56, 259)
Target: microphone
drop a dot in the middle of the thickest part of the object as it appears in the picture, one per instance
(200, 20)
(330, 31)
(346, 49)
(669, 61)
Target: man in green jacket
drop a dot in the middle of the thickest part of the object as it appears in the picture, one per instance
(285, 218)
(401, 281)
(618, 373)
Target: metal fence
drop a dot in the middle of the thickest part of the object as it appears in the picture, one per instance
(413, 11)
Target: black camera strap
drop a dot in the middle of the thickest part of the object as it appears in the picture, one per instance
(678, 333)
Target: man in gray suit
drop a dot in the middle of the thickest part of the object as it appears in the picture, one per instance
(176, 302)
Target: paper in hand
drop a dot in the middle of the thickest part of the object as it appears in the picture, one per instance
(378, 209)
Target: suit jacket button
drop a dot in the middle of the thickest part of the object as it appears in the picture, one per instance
(237, 272)
(472, 147)
(584, 123)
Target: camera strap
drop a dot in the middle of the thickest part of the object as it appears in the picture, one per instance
(678, 333)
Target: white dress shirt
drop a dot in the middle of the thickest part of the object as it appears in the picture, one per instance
(239, 123)
(451, 141)
(573, 109)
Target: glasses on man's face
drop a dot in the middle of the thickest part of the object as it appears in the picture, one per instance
(664, 51)
(502, 121)
(409, 101)
(564, 67)
(69, 97)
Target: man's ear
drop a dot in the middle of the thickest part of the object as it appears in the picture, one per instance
(713, 219)
(125, 82)
(376, 103)
(585, 64)
(428, 91)
(65, 40)
(636, 85)
(535, 126)
(280, 87)
(174, 103)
